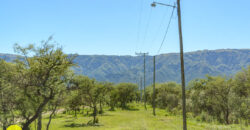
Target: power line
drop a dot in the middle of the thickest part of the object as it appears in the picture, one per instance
(161, 24)
(139, 24)
(166, 32)
(147, 25)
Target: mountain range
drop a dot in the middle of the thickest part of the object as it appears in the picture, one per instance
(224, 62)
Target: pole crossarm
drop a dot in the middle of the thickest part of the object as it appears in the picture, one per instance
(141, 54)
(154, 4)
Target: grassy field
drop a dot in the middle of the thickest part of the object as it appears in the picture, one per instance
(135, 119)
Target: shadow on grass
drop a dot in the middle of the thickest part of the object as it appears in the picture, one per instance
(126, 108)
(75, 125)
(131, 109)
(55, 117)
(69, 121)
(105, 114)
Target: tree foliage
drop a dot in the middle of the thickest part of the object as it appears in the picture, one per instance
(42, 81)
(226, 100)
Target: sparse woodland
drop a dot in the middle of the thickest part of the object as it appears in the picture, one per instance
(41, 82)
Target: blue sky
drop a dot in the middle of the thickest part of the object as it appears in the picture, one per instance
(123, 27)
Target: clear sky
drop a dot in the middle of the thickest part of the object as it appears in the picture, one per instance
(123, 27)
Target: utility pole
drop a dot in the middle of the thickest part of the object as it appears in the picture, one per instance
(144, 85)
(182, 67)
(145, 105)
(138, 84)
(154, 90)
(181, 59)
(141, 88)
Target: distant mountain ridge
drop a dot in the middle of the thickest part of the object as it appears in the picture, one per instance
(129, 68)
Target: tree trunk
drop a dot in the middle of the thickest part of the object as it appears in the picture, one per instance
(123, 105)
(38, 112)
(50, 117)
(4, 127)
(75, 113)
(39, 123)
(94, 114)
(227, 116)
(83, 110)
(101, 111)
(112, 107)
(35, 125)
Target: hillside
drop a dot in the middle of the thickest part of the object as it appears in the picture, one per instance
(128, 68)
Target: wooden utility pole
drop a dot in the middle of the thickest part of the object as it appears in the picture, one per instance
(141, 88)
(182, 67)
(138, 84)
(181, 59)
(144, 85)
(154, 90)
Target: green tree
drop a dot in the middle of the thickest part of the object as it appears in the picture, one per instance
(168, 95)
(7, 95)
(241, 98)
(90, 91)
(38, 77)
(113, 98)
(75, 103)
(105, 89)
(213, 96)
(125, 93)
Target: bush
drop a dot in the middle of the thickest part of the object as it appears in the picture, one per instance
(206, 117)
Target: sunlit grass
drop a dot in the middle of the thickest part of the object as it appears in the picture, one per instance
(135, 119)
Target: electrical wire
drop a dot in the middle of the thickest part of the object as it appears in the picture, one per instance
(139, 24)
(166, 32)
(147, 25)
(158, 30)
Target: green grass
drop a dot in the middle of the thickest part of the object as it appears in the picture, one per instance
(132, 120)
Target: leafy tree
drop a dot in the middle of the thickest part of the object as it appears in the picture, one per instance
(74, 103)
(7, 95)
(242, 83)
(113, 98)
(241, 98)
(90, 91)
(38, 77)
(168, 95)
(125, 93)
(213, 96)
(105, 89)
